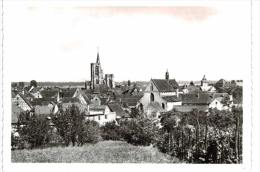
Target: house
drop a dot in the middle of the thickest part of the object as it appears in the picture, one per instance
(16, 111)
(163, 91)
(205, 87)
(100, 113)
(120, 113)
(204, 101)
(22, 102)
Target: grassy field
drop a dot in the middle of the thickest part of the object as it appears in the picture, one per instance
(102, 152)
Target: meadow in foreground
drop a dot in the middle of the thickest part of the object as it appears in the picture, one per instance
(102, 152)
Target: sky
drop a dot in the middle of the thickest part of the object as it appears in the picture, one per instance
(57, 42)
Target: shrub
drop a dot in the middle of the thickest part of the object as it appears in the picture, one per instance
(140, 131)
(89, 133)
(110, 131)
(35, 131)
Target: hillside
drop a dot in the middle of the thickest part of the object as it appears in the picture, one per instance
(102, 152)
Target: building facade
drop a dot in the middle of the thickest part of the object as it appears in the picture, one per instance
(97, 76)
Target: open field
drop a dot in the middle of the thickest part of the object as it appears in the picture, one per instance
(102, 152)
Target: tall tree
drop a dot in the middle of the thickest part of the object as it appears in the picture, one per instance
(33, 83)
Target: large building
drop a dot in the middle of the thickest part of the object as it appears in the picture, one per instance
(97, 76)
(160, 95)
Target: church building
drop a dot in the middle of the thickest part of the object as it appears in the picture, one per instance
(162, 94)
(97, 76)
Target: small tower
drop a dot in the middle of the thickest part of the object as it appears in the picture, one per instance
(98, 60)
(167, 76)
(204, 81)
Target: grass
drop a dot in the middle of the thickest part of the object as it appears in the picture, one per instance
(102, 152)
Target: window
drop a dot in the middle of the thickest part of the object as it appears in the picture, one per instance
(105, 116)
(152, 97)
(163, 106)
(99, 117)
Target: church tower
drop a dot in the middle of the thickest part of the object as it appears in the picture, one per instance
(167, 76)
(96, 73)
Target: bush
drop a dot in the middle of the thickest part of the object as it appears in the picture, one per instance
(35, 132)
(140, 131)
(89, 133)
(73, 128)
(110, 131)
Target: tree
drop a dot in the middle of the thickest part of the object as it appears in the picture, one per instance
(139, 131)
(110, 131)
(89, 133)
(21, 84)
(33, 83)
(128, 83)
(134, 113)
(69, 124)
(73, 128)
(35, 131)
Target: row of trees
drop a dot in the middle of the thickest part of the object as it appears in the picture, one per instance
(67, 127)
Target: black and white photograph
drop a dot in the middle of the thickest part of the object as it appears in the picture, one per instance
(103, 82)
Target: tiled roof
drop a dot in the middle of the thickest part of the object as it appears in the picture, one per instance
(26, 100)
(81, 107)
(49, 93)
(115, 107)
(69, 100)
(164, 85)
(67, 92)
(200, 98)
(97, 108)
(42, 101)
(154, 106)
(171, 98)
(129, 100)
(185, 108)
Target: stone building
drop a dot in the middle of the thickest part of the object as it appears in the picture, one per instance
(162, 92)
(97, 77)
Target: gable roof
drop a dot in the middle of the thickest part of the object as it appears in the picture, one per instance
(171, 98)
(49, 93)
(129, 100)
(115, 107)
(164, 85)
(154, 107)
(68, 92)
(200, 98)
(25, 100)
(42, 101)
(70, 100)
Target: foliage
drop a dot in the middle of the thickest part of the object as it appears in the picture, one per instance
(89, 133)
(110, 131)
(134, 113)
(73, 128)
(33, 83)
(35, 131)
(139, 131)
(213, 137)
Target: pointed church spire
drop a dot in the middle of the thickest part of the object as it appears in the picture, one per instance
(167, 76)
(98, 60)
